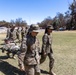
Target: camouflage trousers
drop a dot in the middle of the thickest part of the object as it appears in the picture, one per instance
(18, 37)
(32, 69)
(22, 36)
(51, 60)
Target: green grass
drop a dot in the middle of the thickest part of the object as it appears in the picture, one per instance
(64, 48)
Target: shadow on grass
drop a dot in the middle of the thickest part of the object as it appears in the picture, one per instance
(3, 57)
(8, 69)
(44, 72)
(2, 44)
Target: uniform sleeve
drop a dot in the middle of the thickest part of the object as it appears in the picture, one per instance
(39, 50)
(50, 43)
(22, 52)
(44, 42)
(8, 33)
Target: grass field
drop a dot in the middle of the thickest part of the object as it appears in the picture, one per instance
(64, 48)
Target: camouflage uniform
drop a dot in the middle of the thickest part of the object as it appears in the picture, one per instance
(13, 32)
(10, 47)
(8, 32)
(26, 31)
(29, 55)
(18, 34)
(11, 35)
(22, 32)
(47, 50)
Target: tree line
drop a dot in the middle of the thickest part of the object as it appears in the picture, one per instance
(17, 22)
(61, 21)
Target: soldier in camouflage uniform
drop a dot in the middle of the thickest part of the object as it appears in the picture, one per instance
(29, 54)
(13, 33)
(47, 49)
(8, 31)
(26, 31)
(18, 34)
(22, 32)
(10, 47)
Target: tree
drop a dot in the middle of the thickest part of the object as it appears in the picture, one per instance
(20, 22)
(4, 23)
(72, 8)
(67, 18)
(45, 22)
(59, 21)
(56, 23)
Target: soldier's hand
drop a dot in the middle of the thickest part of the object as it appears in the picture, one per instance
(21, 68)
(45, 53)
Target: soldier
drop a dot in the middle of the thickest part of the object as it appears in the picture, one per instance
(47, 49)
(29, 54)
(10, 47)
(18, 34)
(8, 31)
(22, 32)
(26, 31)
(11, 36)
(13, 33)
(6, 47)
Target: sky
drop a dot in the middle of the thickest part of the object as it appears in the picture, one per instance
(32, 11)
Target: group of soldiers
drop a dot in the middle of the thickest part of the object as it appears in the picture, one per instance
(30, 55)
(10, 44)
(13, 33)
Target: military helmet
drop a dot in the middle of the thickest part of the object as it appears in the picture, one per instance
(34, 28)
(49, 27)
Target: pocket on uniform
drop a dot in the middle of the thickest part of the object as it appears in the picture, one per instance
(30, 61)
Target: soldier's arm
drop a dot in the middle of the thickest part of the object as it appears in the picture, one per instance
(22, 52)
(44, 41)
(50, 43)
(39, 50)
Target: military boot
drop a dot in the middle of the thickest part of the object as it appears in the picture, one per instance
(13, 56)
(8, 55)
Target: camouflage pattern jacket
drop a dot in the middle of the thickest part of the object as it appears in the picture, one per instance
(46, 43)
(11, 47)
(8, 32)
(23, 31)
(18, 31)
(29, 54)
(13, 34)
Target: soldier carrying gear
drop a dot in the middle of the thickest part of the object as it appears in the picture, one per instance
(46, 48)
(29, 54)
(10, 47)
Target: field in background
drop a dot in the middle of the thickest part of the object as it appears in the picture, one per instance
(64, 48)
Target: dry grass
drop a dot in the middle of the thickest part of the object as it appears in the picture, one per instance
(64, 47)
